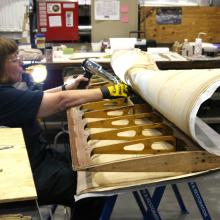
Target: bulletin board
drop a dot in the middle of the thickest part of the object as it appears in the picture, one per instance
(189, 21)
(118, 21)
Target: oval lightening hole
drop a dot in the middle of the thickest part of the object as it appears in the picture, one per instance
(143, 121)
(130, 133)
(110, 104)
(162, 145)
(115, 113)
(120, 122)
(134, 147)
(151, 132)
(131, 111)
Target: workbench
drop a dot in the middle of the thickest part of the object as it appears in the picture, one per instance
(55, 68)
(76, 59)
(17, 188)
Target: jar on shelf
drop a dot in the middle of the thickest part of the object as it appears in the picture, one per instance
(40, 41)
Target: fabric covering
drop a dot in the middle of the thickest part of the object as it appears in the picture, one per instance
(176, 94)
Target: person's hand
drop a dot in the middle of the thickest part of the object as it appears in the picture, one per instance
(115, 91)
(73, 83)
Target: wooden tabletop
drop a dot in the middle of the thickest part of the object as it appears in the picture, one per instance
(76, 59)
(16, 180)
(79, 57)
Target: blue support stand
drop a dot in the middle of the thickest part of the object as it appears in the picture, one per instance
(108, 207)
(154, 201)
(199, 200)
(151, 212)
(179, 199)
(149, 204)
(139, 202)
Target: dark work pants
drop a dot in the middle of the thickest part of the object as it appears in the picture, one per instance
(56, 184)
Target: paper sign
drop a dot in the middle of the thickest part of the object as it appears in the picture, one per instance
(124, 18)
(69, 5)
(124, 8)
(53, 8)
(82, 2)
(107, 10)
(55, 21)
(69, 18)
(43, 30)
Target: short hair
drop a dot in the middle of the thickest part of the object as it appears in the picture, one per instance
(7, 47)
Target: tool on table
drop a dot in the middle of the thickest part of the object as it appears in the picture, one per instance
(121, 89)
(92, 67)
(87, 74)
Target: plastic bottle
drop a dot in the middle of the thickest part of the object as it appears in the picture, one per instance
(49, 53)
(185, 48)
(198, 45)
(40, 41)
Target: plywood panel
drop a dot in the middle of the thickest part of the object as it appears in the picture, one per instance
(194, 20)
(16, 178)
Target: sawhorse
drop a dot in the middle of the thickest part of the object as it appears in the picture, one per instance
(149, 208)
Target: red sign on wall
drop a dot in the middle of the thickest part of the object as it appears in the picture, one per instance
(58, 20)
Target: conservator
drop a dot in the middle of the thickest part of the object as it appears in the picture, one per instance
(54, 179)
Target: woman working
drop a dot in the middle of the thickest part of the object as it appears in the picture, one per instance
(54, 179)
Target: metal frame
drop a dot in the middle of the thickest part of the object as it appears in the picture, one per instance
(149, 204)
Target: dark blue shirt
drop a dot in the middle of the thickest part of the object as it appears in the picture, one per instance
(19, 108)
